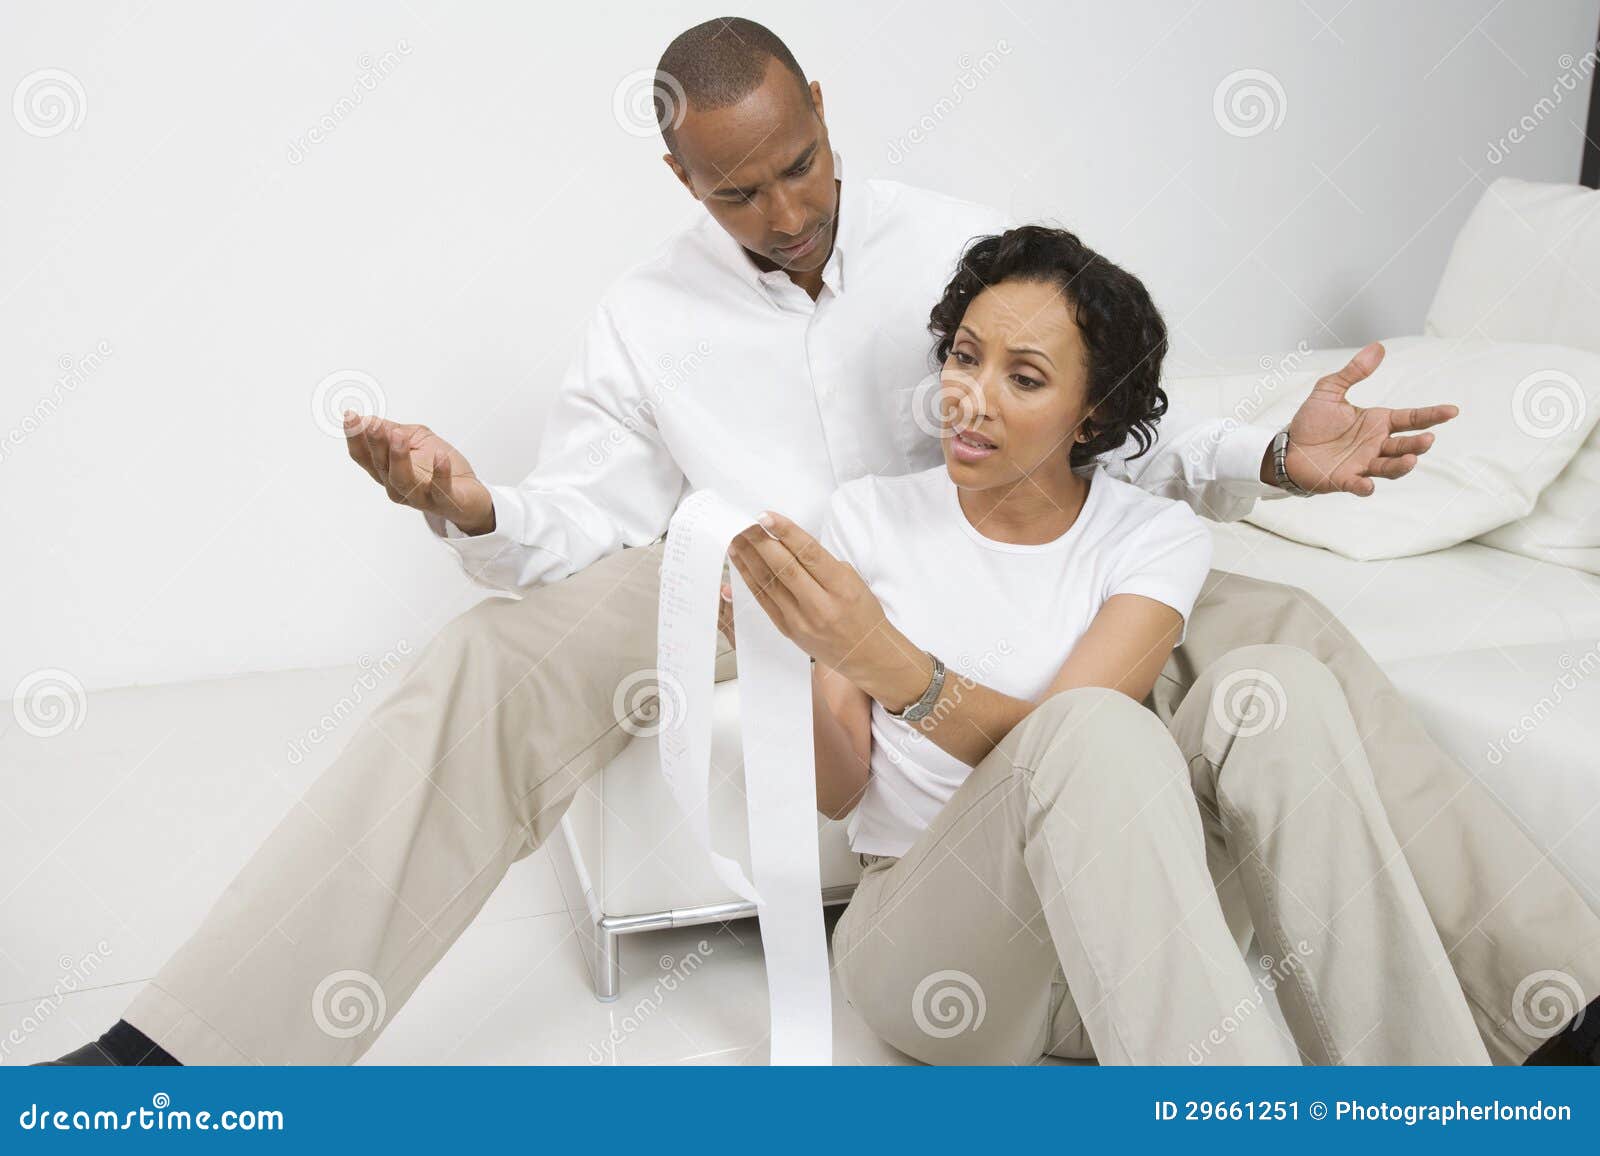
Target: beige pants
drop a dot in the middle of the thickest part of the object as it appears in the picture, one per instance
(470, 762)
(1061, 902)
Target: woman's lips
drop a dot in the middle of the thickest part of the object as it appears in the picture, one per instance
(804, 247)
(965, 447)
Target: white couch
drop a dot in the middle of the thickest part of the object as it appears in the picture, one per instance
(1482, 640)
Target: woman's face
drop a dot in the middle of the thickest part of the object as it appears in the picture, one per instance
(1014, 388)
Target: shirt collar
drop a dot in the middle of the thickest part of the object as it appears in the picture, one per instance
(853, 204)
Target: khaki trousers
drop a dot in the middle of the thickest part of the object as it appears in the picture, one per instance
(470, 762)
(1061, 901)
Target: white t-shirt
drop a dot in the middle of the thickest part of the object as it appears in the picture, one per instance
(1004, 615)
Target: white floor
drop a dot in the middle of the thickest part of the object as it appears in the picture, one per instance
(117, 834)
(513, 991)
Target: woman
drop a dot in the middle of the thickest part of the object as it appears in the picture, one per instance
(1047, 868)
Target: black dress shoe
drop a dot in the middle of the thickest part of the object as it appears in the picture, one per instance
(1577, 1045)
(124, 1046)
(88, 1056)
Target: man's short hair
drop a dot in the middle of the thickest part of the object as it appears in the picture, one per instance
(713, 65)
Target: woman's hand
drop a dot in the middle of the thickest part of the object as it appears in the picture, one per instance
(825, 608)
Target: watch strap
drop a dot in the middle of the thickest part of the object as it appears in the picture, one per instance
(1280, 466)
(924, 705)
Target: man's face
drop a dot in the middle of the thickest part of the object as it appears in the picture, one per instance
(762, 167)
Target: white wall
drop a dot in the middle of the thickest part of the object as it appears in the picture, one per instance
(178, 513)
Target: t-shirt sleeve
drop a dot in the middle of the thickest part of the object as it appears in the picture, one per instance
(847, 531)
(1167, 560)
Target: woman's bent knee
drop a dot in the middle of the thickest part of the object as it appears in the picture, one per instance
(1094, 716)
(1113, 740)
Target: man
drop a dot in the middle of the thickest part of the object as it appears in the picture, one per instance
(774, 350)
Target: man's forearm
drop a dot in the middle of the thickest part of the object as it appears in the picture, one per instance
(1219, 467)
(476, 515)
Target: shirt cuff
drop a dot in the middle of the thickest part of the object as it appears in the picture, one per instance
(1239, 458)
(482, 547)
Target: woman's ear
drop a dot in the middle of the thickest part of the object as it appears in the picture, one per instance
(1085, 429)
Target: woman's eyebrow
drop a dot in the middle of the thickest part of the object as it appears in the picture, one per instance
(1039, 353)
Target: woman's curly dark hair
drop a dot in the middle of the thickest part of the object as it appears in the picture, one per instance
(1121, 326)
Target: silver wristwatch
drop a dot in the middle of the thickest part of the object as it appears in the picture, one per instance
(923, 707)
(1280, 469)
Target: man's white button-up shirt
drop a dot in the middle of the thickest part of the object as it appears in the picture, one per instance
(699, 370)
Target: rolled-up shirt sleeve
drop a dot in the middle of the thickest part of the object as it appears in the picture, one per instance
(604, 478)
(1212, 465)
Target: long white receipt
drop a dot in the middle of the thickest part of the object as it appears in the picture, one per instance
(779, 767)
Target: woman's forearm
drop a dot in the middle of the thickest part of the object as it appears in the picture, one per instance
(841, 730)
(968, 720)
(1124, 649)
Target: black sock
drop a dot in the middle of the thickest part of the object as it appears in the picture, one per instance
(1576, 1045)
(132, 1048)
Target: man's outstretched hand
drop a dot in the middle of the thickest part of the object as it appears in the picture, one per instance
(1338, 447)
(418, 468)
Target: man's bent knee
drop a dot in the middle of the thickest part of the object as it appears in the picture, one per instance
(1258, 689)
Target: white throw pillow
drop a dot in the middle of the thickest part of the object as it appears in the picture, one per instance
(1525, 267)
(1525, 411)
(1564, 526)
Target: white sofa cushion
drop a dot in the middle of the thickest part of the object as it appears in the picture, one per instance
(1525, 267)
(1469, 597)
(1521, 720)
(1525, 411)
(1564, 525)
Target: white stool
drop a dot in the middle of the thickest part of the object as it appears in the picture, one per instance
(626, 861)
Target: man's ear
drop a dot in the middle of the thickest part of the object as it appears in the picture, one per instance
(679, 171)
(816, 101)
